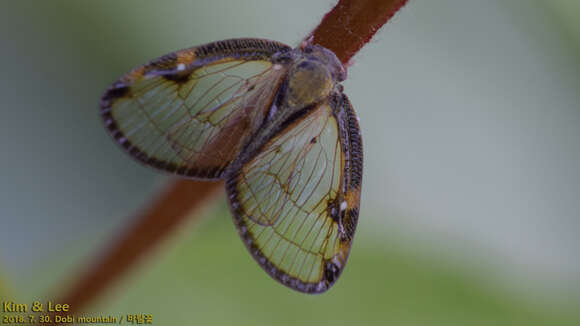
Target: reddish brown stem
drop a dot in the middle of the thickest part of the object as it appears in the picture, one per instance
(156, 222)
(344, 30)
(352, 23)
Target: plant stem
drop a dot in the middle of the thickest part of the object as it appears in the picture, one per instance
(352, 23)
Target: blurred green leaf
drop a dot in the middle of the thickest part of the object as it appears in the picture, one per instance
(211, 279)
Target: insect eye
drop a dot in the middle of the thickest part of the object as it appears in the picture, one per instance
(306, 65)
(281, 57)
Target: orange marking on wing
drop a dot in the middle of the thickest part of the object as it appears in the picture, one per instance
(185, 57)
(353, 197)
(344, 246)
(135, 74)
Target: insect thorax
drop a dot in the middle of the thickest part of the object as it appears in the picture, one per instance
(313, 74)
(309, 82)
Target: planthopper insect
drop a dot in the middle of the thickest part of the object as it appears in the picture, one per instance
(274, 123)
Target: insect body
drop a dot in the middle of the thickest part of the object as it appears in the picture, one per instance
(274, 123)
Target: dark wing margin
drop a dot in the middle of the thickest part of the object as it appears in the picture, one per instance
(295, 203)
(189, 112)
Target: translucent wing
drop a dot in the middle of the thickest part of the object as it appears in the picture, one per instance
(191, 111)
(296, 201)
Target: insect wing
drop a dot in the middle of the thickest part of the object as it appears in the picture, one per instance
(191, 111)
(295, 203)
